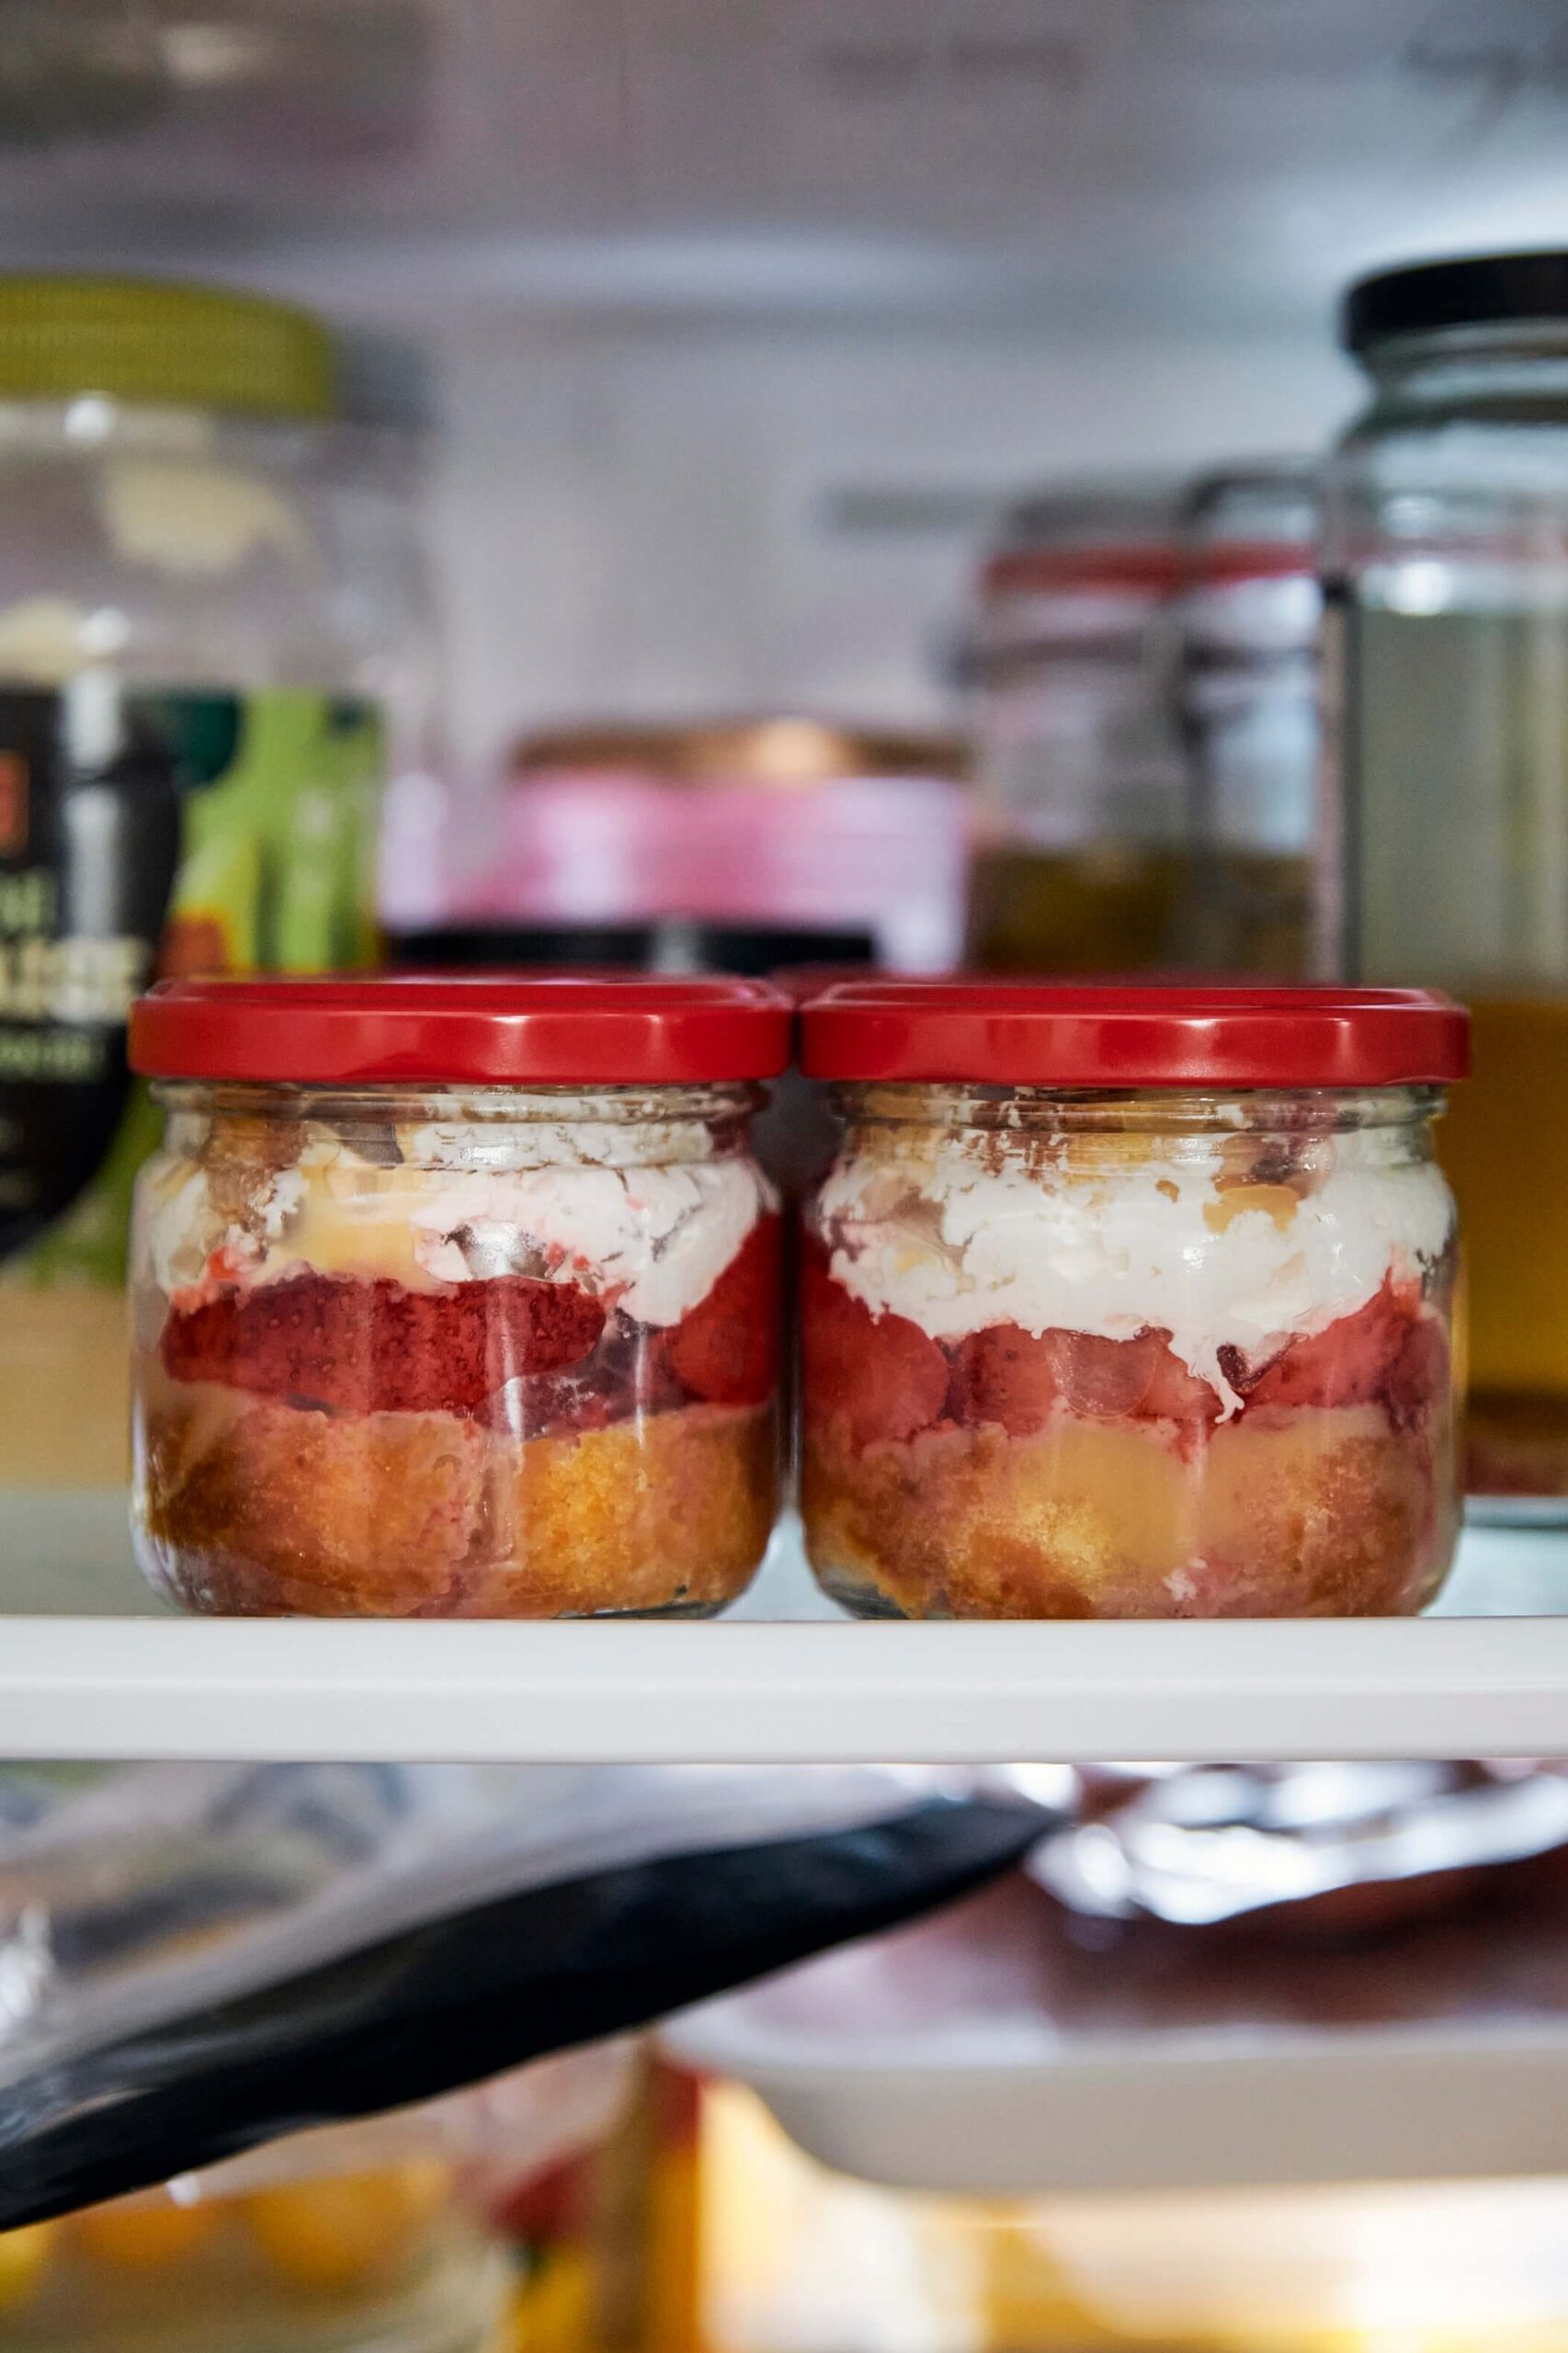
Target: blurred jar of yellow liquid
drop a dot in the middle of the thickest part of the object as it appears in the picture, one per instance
(1445, 736)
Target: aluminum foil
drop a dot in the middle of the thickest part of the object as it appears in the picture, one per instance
(1314, 1850)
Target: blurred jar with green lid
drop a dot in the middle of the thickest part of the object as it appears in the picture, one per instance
(197, 636)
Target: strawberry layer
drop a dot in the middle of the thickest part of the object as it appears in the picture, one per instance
(354, 1345)
(885, 1378)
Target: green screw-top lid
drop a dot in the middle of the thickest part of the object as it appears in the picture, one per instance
(160, 345)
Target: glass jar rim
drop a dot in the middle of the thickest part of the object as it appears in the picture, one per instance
(432, 1103)
(1135, 1110)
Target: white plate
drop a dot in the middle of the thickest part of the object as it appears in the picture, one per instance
(931, 2061)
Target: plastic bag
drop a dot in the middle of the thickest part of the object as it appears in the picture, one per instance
(195, 1959)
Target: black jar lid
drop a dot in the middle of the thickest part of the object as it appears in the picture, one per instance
(1486, 289)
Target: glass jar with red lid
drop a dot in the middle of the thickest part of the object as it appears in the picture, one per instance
(1130, 1301)
(456, 1296)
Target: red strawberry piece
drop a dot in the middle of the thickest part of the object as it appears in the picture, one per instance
(1174, 1393)
(1347, 1364)
(1014, 1377)
(1419, 1377)
(726, 1349)
(292, 1338)
(881, 1373)
(1007, 1376)
(372, 1347)
(1108, 1377)
(541, 1327)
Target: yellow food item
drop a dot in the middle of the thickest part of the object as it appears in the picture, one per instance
(1326, 1511)
(555, 2310)
(337, 2232)
(24, 2258)
(143, 2234)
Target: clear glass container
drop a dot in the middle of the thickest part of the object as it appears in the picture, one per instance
(470, 1350)
(194, 656)
(1081, 864)
(388, 2260)
(1124, 1351)
(1247, 694)
(1448, 681)
(375, 1411)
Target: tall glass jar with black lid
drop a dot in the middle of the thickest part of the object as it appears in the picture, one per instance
(1448, 560)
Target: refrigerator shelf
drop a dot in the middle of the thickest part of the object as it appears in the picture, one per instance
(120, 1677)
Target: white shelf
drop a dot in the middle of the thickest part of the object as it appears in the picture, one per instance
(769, 1686)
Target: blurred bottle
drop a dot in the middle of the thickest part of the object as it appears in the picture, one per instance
(1447, 687)
(1082, 862)
(1250, 615)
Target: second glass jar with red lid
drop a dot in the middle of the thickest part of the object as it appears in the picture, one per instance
(1130, 1302)
(456, 1297)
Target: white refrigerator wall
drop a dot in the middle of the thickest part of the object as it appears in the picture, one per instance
(659, 521)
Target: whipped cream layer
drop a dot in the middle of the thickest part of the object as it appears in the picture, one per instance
(954, 1237)
(651, 1237)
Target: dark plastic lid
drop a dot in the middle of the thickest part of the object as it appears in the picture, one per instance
(670, 944)
(1488, 290)
(348, 1030)
(1036, 1034)
(500, 947)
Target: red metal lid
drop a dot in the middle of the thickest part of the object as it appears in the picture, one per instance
(1122, 568)
(1038, 1034)
(353, 1029)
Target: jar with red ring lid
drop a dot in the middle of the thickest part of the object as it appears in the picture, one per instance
(456, 1296)
(1084, 839)
(1130, 1301)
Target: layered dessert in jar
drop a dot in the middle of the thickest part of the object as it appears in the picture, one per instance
(1130, 1302)
(456, 1297)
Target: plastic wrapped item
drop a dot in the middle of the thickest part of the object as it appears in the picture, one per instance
(375, 2235)
(457, 1298)
(383, 2259)
(196, 1960)
(1129, 1303)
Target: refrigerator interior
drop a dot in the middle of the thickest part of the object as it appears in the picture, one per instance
(745, 319)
